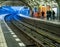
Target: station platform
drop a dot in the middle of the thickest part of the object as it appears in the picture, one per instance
(2, 38)
(44, 20)
(8, 38)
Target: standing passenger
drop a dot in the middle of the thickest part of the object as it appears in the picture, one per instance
(53, 15)
(49, 14)
(42, 14)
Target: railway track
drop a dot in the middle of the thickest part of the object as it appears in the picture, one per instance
(37, 36)
(19, 33)
(49, 27)
(53, 39)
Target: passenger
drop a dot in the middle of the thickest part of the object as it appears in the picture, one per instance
(42, 14)
(32, 13)
(49, 14)
(53, 15)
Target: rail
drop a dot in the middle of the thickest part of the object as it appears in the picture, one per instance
(39, 36)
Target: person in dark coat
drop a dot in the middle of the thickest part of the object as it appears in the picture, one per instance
(53, 15)
(49, 14)
(42, 14)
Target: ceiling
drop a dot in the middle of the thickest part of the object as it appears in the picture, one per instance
(25, 2)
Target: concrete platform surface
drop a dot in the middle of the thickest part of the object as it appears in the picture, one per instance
(2, 39)
(8, 38)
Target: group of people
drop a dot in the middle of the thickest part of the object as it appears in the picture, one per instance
(50, 14)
